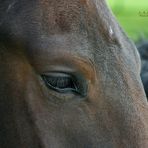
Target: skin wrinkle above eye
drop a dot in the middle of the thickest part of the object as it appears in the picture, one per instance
(72, 44)
(71, 64)
(83, 73)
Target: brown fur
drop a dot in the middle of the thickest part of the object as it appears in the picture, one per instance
(72, 36)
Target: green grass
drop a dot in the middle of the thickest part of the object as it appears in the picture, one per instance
(127, 13)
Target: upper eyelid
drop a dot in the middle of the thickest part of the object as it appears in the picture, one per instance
(57, 74)
(57, 77)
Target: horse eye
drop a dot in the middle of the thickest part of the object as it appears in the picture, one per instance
(62, 82)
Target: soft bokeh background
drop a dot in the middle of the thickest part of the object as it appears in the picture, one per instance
(132, 16)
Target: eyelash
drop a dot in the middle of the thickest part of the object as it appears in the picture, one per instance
(62, 83)
(59, 82)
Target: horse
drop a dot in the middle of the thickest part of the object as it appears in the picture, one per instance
(69, 77)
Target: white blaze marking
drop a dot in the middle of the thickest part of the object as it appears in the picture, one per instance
(110, 31)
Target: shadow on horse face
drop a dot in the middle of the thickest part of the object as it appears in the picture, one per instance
(69, 77)
(143, 50)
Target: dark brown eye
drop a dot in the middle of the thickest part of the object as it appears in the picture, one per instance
(63, 83)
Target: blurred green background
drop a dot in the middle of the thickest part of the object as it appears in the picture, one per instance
(132, 16)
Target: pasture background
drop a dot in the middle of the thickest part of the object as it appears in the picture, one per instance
(128, 13)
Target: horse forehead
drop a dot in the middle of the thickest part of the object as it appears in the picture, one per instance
(69, 4)
(47, 17)
(61, 16)
(74, 16)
